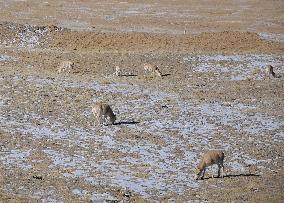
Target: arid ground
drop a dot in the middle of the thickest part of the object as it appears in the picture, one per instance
(214, 93)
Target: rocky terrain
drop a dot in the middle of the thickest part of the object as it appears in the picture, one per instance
(214, 93)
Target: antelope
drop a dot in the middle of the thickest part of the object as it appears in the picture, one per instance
(269, 71)
(152, 69)
(65, 66)
(103, 111)
(117, 71)
(209, 158)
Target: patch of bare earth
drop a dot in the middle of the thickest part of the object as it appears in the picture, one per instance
(213, 93)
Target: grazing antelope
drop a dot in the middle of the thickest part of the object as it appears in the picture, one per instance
(65, 66)
(209, 158)
(103, 111)
(270, 72)
(152, 69)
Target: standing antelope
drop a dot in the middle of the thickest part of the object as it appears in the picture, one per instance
(153, 69)
(209, 158)
(269, 71)
(103, 111)
(117, 71)
(65, 66)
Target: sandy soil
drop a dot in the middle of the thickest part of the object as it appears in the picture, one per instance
(213, 94)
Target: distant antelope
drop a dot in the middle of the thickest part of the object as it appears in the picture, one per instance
(209, 158)
(269, 71)
(65, 66)
(117, 71)
(103, 111)
(152, 69)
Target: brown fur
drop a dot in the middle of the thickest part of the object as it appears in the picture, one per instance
(65, 66)
(152, 69)
(103, 111)
(270, 72)
(209, 158)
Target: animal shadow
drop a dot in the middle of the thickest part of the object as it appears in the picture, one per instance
(128, 75)
(163, 75)
(238, 175)
(235, 175)
(126, 122)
